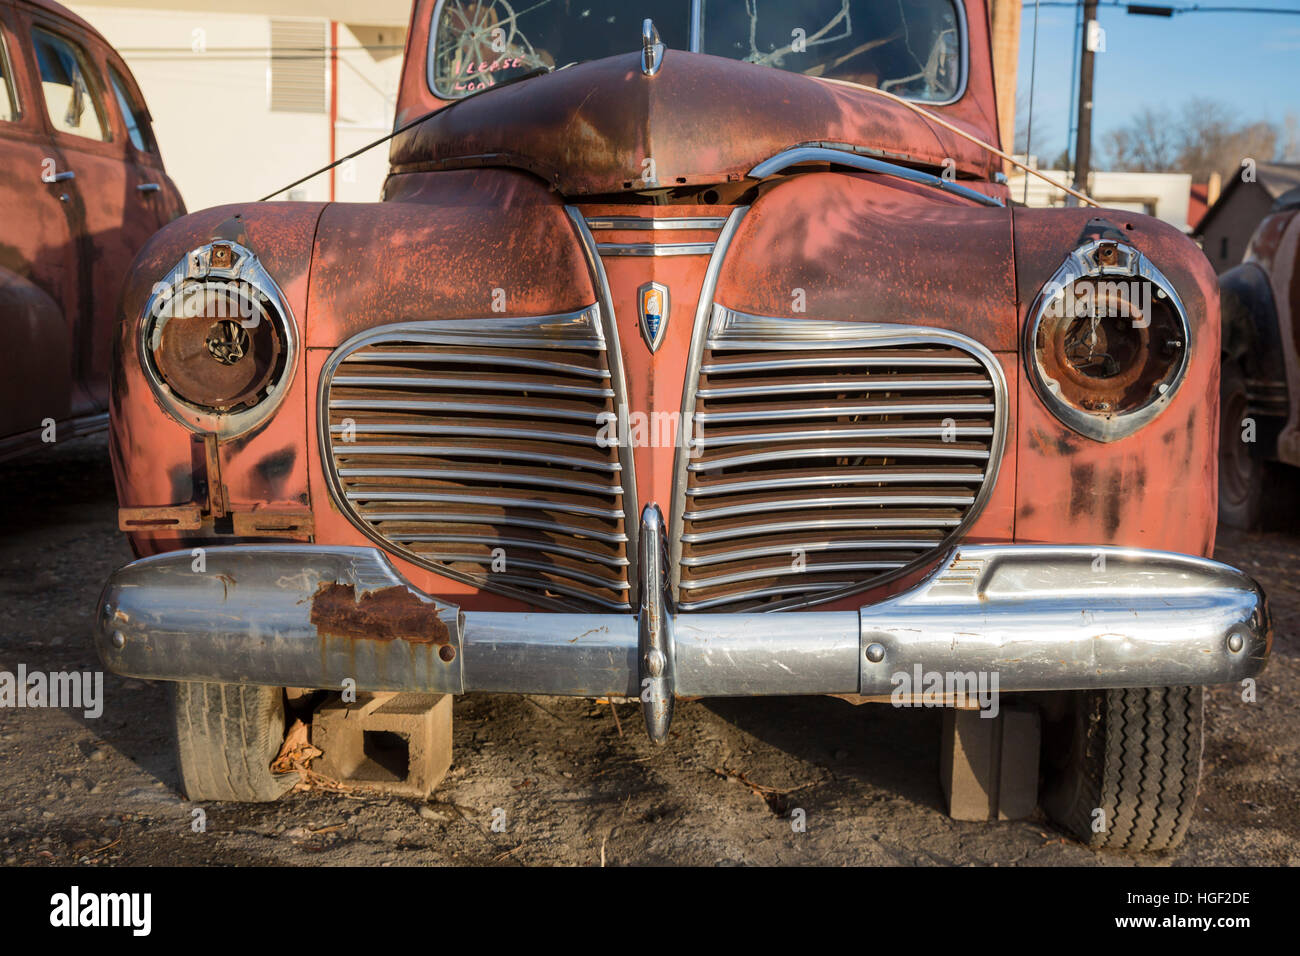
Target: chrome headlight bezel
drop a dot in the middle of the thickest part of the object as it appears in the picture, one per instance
(224, 262)
(1104, 259)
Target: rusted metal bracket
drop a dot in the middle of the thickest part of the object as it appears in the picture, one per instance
(165, 518)
(273, 524)
(216, 488)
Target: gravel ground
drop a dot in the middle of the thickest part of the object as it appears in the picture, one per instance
(578, 782)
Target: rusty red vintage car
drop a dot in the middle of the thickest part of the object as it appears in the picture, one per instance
(697, 354)
(83, 189)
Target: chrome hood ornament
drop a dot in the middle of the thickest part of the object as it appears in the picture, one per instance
(652, 48)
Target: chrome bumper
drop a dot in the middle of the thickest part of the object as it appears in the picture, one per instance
(1039, 617)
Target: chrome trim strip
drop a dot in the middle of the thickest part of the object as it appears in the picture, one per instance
(387, 495)
(821, 411)
(1084, 263)
(404, 428)
(618, 379)
(654, 249)
(685, 440)
(653, 224)
(764, 592)
(836, 451)
(822, 524)
(473, 452)
(522, 543)
(829, 501)
(525, 584)
(879, 383)
(786, 362)
(845, 477)
(582, 329)
(510, 521)
(494, 476)
(1041, 617)
(483, 358)
(755, 574)
(512, 411)
(472, 384)
(828, 434)
(840, 157)
(558, 570)
(812, 547)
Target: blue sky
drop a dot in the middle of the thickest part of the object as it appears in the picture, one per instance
(1250, 62)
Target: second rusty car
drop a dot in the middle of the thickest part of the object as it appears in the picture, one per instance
(700, 356)
(83, 188)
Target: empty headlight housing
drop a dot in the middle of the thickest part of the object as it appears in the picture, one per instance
(1107, 341)
(218, 343)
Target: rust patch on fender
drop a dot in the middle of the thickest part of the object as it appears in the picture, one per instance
(388, 614)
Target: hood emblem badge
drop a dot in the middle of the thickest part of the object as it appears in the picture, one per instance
(652, 306)
(652, 48)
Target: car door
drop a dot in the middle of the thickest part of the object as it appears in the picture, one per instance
(111, 220)
(156, 194)
(39, 289)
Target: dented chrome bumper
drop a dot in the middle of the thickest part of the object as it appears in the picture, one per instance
(1039, 617)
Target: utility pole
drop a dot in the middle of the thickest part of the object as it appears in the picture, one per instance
(1094, 41)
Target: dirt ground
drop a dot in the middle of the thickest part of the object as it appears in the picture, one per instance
(579, 782)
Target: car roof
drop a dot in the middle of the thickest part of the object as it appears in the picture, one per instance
(59, 10)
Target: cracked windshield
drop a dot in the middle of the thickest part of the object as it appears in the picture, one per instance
(910, 48)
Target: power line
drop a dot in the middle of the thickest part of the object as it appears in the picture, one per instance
(1144, 9)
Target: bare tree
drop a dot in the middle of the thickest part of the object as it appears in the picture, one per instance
(1288, 151)
(1042, 131)
(1213, 142)
(1145, 144)
(1202, 139)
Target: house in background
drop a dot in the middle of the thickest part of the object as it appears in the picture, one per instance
(1204, 195)
(1226, 228)
(1163, 195)
(249, 95)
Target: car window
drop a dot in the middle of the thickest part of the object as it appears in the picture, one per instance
(8, 95)
(71, 94)
(137, 121)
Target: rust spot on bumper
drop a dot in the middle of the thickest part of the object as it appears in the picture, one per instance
(388, 614)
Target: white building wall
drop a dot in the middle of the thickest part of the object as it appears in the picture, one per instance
(1163, 195)
(206, 76)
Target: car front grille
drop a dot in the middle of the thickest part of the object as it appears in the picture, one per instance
(829, 457)
(475, 449)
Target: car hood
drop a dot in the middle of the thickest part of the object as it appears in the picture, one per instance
(604, 127)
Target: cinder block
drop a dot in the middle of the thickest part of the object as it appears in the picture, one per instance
(988, 766)
(966, 763)
(395, 743)
(1018, 779)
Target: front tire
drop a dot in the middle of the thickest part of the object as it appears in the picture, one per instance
(226, 737)
(1243, 472)
(1123, 767)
